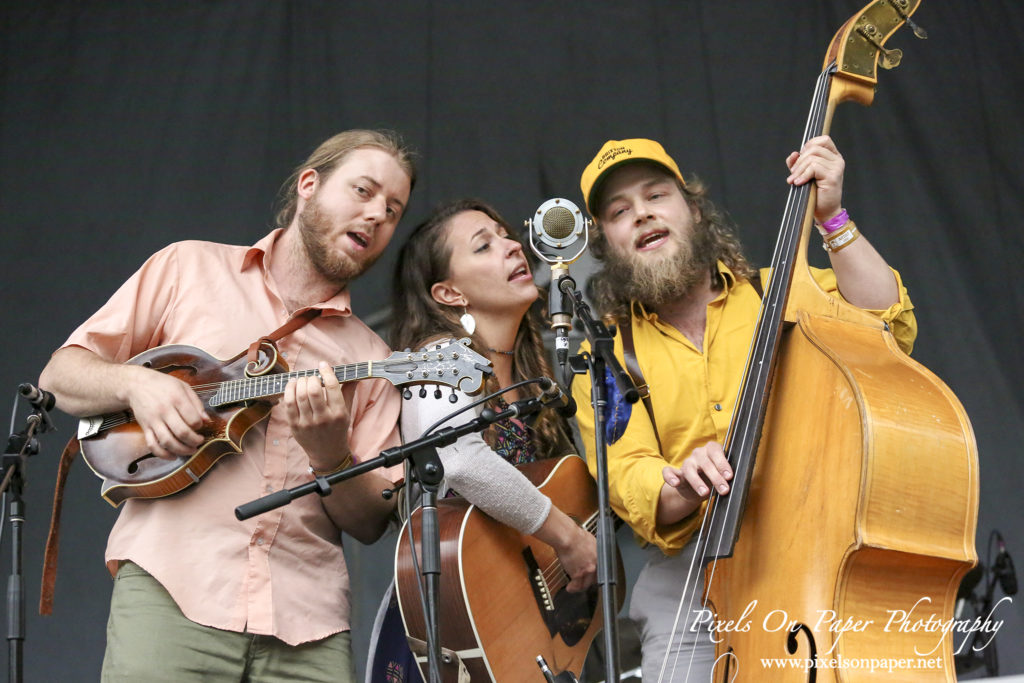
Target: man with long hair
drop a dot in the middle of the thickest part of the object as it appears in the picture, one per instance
(198, 594)
(686, 300)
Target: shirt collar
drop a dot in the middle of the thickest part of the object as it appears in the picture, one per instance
(258, 255)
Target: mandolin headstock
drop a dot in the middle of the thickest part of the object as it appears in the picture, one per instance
(451, 363)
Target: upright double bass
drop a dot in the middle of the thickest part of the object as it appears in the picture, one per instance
(838, 553)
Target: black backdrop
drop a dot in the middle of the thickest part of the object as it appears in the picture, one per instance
(127, 125)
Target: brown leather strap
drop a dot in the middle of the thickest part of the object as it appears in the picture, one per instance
(755, 282)
(295, 323)
(53, 538)
(633, 368)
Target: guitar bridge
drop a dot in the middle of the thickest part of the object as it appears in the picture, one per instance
(565, 614)
(539, 585)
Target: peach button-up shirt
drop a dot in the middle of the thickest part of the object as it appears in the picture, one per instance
(281, 573)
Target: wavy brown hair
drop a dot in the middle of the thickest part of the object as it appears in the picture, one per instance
(721, 244)
(424, 260)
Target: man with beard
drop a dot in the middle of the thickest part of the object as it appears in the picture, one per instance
(686, 300)
(197, 593)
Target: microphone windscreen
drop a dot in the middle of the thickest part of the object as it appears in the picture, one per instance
(559, 222)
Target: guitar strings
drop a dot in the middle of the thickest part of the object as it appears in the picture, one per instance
(553, 574)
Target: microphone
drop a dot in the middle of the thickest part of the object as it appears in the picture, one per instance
(40, 399)
(555, 232)
(552, 396)
(966, 591)
(1003, 569)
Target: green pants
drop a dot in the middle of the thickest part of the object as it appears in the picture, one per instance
(148, 639)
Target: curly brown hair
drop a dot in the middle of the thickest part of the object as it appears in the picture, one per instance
(720, 244)
(424, 260)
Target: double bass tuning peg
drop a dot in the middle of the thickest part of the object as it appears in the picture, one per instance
(918, 30)
(901, 6)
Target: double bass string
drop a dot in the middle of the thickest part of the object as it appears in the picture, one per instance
(746, 421)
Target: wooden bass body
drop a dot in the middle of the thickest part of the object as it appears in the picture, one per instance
(859, 523)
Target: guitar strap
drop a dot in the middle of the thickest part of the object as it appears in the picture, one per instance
(633, 367)
(53, 537)
(73, 447)
(637, 375)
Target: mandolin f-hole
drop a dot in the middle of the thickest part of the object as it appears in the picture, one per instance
(133, 466)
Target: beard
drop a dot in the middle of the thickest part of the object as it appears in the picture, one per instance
(332, 264)
(657, 280)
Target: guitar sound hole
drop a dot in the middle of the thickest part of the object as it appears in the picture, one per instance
(133, 466)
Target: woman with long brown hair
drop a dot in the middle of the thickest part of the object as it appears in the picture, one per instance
(462, 274)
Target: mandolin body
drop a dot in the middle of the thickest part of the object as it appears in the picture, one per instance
(119, 454)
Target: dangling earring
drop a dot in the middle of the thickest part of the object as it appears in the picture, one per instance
(468, 321)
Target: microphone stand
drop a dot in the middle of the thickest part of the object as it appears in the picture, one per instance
(426, 468)
(601, 357)
(20, 445)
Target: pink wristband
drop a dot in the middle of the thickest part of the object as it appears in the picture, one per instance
(836, 222)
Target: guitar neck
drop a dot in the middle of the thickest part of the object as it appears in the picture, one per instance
(271, 386)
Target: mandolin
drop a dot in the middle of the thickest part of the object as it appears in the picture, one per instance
(237, 396)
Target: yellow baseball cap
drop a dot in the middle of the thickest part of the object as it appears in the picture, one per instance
(615, 152)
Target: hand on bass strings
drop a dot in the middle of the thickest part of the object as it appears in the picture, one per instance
(820, 161)
(690, 483)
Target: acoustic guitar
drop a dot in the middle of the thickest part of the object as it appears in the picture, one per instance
(502, 597)
(237, 397)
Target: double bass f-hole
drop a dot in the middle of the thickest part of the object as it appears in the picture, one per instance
(792, 645)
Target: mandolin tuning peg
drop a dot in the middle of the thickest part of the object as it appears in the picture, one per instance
(452, 398)
(423, 392)
(437, 392)
(406, 394)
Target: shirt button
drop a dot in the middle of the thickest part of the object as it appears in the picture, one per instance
(718, 406)
(259, 541)
(277, 442)
(269, 488)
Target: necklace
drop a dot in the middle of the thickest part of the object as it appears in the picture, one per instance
(504, 353)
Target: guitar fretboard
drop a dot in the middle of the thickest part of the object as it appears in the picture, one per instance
(252, 388)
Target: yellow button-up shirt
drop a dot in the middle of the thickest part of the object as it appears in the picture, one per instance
(693, 393)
